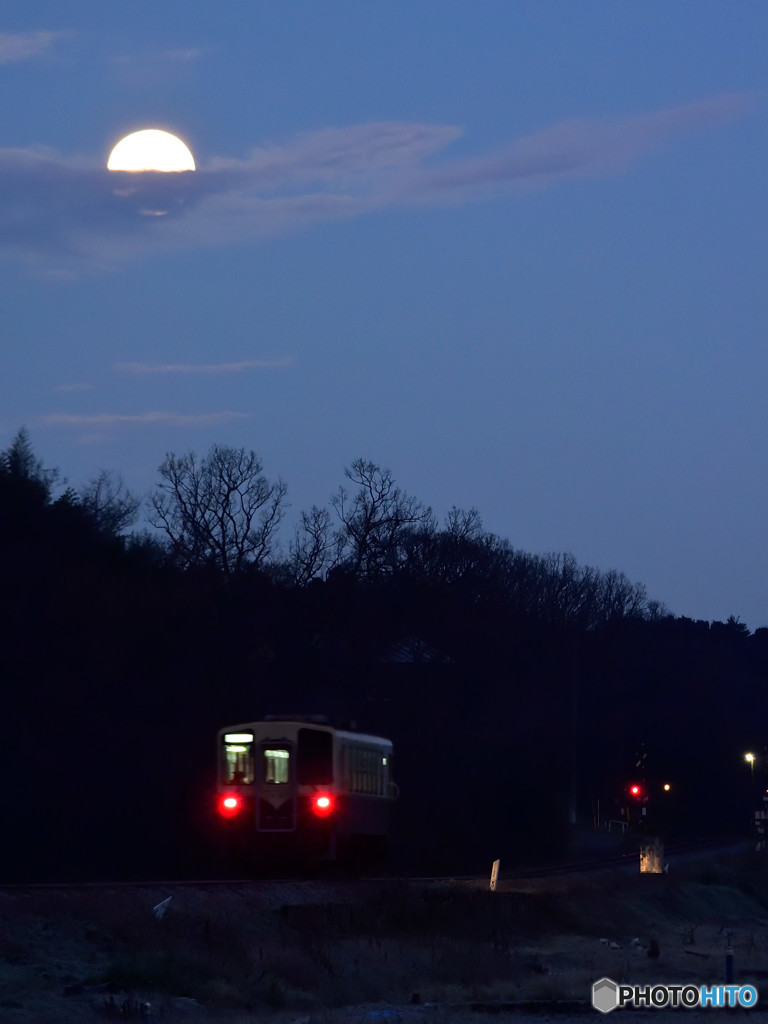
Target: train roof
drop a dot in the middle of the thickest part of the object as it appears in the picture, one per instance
(364, 737)
(348, 734)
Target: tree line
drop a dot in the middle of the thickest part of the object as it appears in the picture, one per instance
(220, 513)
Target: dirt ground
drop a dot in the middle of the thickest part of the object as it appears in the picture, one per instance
(375, 952)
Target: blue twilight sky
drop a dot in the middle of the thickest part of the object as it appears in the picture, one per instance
(514, 250)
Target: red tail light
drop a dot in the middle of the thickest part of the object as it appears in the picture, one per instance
(323, 804)
(230, 805)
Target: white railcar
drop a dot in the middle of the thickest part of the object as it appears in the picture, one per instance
(295, 788)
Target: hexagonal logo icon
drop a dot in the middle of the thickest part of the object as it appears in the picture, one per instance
(605, 995)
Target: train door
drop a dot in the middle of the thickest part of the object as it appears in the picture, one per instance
(276, 805)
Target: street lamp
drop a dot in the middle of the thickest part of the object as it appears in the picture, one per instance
(750, 758)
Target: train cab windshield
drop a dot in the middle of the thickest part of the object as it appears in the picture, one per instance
(275, 762)
(277, 765)
(237, 759)
(315, 757)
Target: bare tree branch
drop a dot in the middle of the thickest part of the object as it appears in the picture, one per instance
(220, 511)
(311, 548)
(108, 503)
(375, 520)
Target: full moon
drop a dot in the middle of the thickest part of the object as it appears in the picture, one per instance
(150, 150)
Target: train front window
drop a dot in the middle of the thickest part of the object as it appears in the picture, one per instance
(277, 762)
(315, 757)
(238, 766)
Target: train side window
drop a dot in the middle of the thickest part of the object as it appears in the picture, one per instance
(315, 757)
(373, 771)
(366, 771)
(354, 773)
(277, 761)
(237, 761)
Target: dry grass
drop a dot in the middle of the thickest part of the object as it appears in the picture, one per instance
(239, 955)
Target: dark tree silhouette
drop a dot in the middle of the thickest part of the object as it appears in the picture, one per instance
(23, 474)
(312, 550)
(375, 520)
(108, 503)
(220, 511)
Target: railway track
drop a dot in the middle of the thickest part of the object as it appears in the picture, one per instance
(301, 889)
(631, 859)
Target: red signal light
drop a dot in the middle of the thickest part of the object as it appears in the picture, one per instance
(230, 805)
(635, 790)
(323, 804)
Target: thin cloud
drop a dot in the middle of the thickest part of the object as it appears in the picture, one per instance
(18, 46)
(67, 215)
(205, 368)
(68, 388)
(147, 70)
(180, 55)
(139, 419)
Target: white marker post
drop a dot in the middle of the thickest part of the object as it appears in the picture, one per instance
(494, 875)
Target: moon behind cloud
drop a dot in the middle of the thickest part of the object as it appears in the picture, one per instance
(151, 150)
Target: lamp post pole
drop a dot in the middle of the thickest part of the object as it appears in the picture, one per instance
(750, 759)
